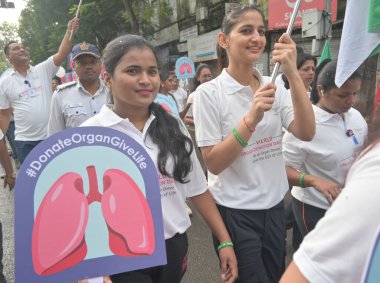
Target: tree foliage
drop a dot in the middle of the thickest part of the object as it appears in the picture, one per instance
(44, 22)
(8, 32)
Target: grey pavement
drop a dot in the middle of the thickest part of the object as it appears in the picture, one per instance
(6, 216)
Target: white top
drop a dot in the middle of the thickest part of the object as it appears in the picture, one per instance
(279, 81)
(190, 100)
(72, 104)
(173, 193)
(180, 96)
(257, 178)
(1, 134)
(329, 155)
(337, 249)
(30, 99)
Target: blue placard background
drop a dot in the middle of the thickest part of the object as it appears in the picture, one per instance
(73, 150)
(184, 68)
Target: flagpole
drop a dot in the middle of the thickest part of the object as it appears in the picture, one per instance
(288, 31)
(76, 15)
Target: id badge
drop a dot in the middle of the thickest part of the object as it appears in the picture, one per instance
(32, 93)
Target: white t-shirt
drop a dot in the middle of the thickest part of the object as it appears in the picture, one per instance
(190, 100)
(71, 105)
(180, 96)
(257, 178)
(173, 193)
(30, 98)
(337, 249)
(329, 155)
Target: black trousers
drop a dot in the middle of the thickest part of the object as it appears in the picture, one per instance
(307, 216)
(258, 237)
(172, 272)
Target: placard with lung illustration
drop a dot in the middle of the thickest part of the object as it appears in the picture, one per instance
(87, 203)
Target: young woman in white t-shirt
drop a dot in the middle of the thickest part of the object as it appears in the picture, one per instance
(341, 248)
(133, 79)
(317, 169)
(238, 121)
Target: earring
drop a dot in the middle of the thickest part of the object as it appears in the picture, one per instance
(322, 92)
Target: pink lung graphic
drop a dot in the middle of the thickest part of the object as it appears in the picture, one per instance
(166, 107)
(188, 68)
(58, 232)
(182, 69)
(130, 223)
(58, 237)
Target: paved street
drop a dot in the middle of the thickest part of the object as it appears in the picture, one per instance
(203, 263)
(6, 216)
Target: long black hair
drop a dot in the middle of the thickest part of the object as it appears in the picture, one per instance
(165, 130)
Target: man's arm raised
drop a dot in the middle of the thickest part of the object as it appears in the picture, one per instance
(66, 44)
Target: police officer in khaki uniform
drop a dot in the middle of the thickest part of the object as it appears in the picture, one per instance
(76, 101)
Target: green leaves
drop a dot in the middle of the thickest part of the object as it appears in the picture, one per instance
(8, 32)
(100, 22)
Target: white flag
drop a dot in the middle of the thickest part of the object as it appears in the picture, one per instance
(356, 43)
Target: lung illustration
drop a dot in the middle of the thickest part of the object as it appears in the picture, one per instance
(58, 236)
(58, 232)
(127, 214)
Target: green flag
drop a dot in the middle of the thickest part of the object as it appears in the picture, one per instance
(326, 54)
(374, 16)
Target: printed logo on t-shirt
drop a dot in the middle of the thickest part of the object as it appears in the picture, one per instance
(167, 186)
(31, 92)
(263, 149)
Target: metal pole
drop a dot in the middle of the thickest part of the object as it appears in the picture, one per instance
(76, 15)
(288, 31)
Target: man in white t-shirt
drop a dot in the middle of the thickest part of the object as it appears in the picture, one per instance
(27, 90)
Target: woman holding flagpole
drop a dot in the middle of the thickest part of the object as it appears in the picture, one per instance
(238, 121)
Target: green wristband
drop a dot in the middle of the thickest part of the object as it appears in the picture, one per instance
(225, 244)
(301, 180)
(239, 138)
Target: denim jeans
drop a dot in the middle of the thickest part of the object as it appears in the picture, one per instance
(23, 148)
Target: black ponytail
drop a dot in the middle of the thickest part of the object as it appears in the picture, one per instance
(165, 131)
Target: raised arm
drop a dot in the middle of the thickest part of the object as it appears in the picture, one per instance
(303, 125)
(66, 44)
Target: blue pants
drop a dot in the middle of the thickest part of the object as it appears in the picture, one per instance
(172, 272)
(258, 237)
(23, 148)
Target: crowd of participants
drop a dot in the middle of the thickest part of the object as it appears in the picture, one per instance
(233, 145)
